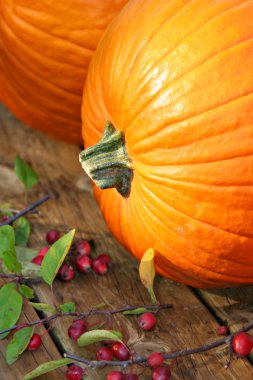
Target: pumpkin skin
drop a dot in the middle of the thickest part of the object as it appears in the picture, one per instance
(176, 78)
(45, 50)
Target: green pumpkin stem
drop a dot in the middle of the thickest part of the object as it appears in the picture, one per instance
(107, 162)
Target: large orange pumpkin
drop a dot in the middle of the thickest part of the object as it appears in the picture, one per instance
(173, 82)
(45, 49)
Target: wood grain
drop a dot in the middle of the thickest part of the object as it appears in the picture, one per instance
(30, 360)
(188, 324)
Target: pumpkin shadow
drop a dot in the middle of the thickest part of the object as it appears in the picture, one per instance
(229, 304)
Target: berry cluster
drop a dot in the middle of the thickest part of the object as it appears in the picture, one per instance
(119, 351)
(242, 345)
(83, 262)
(242, 342)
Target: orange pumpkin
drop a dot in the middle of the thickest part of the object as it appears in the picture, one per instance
(173, 82)
(45, 50)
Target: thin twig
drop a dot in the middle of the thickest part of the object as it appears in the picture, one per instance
(87, 314)
(9, 210)
(25, 211)
(20, 279)
(230, 353)
(14, 211)
(173, 355)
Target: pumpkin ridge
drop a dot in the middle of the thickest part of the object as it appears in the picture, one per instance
(44, 82)
(162, 91)
(218, 106)
(72, 118)
(211, 271)
(208, 185)
(208, 282)
(49, 111)
(136, 146)
(152, 232)
(167, 172)
(191, 163)
(39, 56)
(216, 16)
(201, 222)
(202, 63)
(36, 52)
(58, 37)
(146, 43)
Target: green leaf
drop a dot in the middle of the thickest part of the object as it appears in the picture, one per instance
(47, 367)
(10, 262)
(6, 213)
(46, 307)
(137, 311)
(26, 291)
(25, 173)
(5, 206)
(18, 344)
(55, 257)
(68, 307)
(147, 272)
(94, 336)
(22, 231)
(11, 306)
(25, 254)
(99, 306)
(7, 239)
(30, 270)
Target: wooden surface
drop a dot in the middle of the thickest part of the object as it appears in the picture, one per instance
(196, 313)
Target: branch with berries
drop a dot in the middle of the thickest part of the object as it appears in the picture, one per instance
(115, 352)
(146, 323)
(241, 342)
(23, 267)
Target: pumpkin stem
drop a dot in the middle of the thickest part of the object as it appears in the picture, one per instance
(107, 162)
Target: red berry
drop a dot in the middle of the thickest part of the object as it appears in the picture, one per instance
(155, 359)
(222, 330)
(115, 375)
(242, 343)
(106, 259)
(74, 372)
(4, 218)
(83, 247)
(76, 329)
(83, 263)
(161, 373)
(66, 273)
(34, 343)
(120, 351)
(147, 321)
(131, 376)
(52, 236)
(43, 251)
(37, 260)
(104, 353)
(99, 266)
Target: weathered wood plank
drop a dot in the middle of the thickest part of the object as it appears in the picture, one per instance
(233, 307)
(189, 324)
(30, 360)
